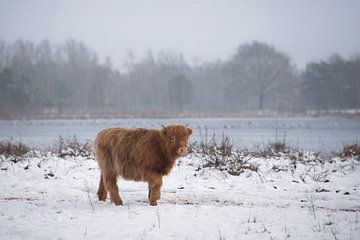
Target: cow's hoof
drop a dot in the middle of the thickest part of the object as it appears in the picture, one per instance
(103, 199)
(118, 202)
(153, 203)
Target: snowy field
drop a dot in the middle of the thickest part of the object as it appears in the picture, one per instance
(47, 197)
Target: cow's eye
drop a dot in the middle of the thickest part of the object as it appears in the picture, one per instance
(172, 139)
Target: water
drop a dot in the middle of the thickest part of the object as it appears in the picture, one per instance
(322, 133)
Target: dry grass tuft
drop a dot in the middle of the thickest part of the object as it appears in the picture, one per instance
(351, 150)
(10, 148)
(72, 147)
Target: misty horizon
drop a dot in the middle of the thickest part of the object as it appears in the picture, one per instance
(201, 31)
(158, 58)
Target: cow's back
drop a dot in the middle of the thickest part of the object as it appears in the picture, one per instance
(124, 151)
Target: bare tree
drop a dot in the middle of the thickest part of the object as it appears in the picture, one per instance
(180, 92)
(208, 84)
(332, 84)
(259, 70)
(3, 54)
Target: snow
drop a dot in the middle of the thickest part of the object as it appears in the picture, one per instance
(47, 197)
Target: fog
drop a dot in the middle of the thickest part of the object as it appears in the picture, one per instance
(202, 30)
(178, 58)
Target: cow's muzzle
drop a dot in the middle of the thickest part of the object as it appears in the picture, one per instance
(182, 151)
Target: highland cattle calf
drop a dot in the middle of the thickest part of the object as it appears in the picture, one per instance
(139, 155)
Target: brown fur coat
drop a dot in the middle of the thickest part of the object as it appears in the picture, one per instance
(140, 155)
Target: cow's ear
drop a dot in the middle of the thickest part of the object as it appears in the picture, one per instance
(189, 131)
(163, 134)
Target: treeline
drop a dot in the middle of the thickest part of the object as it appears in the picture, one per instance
(68, 80)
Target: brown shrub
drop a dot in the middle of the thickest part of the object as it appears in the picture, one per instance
(9, 148)
(351, 150)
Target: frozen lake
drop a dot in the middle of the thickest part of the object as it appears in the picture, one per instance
(322, 133)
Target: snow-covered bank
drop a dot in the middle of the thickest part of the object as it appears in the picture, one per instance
(47, 197)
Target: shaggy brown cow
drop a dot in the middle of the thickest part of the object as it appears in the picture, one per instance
(140, 155)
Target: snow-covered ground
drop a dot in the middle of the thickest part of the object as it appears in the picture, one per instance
(47, 197)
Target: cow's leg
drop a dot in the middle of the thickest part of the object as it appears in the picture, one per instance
(102, 193)
(155, 183)
(111, 186)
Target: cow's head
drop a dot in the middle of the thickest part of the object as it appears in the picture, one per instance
(176, 138)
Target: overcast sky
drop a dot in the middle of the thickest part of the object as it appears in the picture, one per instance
(203, 30)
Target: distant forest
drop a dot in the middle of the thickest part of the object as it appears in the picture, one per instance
(67, 80)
